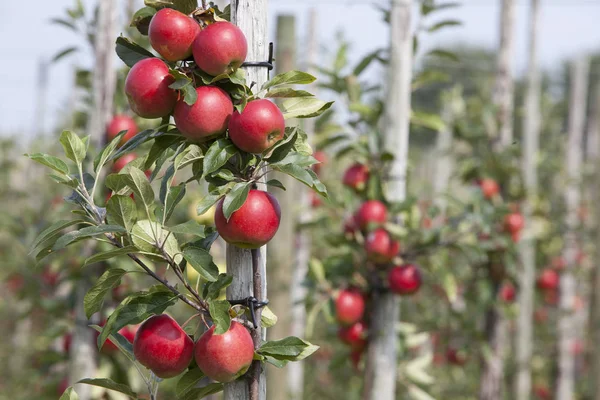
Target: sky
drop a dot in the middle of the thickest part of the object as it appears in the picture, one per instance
(569, 28)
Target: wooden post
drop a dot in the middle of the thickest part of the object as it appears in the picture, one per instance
(503, 90)
(298, 291)
(492, 379)
(594, 131)
(283, 245)
(566, 323)
(531, 132)
(251, 17)
(83, 348)
(380, 374)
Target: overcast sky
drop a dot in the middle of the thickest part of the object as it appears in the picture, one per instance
(568, 28)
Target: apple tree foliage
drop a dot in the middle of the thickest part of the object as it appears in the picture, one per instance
(135, 221)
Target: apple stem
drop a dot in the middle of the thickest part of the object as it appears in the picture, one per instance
(255, 372)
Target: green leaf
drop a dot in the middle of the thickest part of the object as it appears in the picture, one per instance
(69, 394)
(190, 227)
(130, 53)
(236, 198)
(107, 255)
(287, 92)
(65, 23)
(207, 202)
(85, 233)
(290, 78)
(111, 385)
(199, 393)
(443, 54)
(275, 183)
(219, 312)
(282, 148)
(185, 6)
(303, 175)
(121, 210)
(291, 348)
(201, 261)
(103, 156)
(74, 147)
(148, 235)
(217, 155)
(53, 231)
(275, 362)
(138, 182)
(135, 309)
(212, 290)
(63, 53)
(176, 194)
(427, 120)
(442, 24)
(94, 298)
(188, 381)
(142, 16)
(305, 107)
(365, 62)
(120, 341)
(50, 161)
(267, 318)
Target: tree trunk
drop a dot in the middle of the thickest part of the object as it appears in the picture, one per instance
(283, 244)
(492, 380)
(83, 347)
(531, 132)
(594, 131)
(295, 370)
(566, 323)
(503, 90)
(380, 374)
(251, 17)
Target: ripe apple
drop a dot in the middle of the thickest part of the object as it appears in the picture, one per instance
(356, 177)
(172, 33)
(66, 344)
(208, 117)
(62, 386)
(405, 279)
(371, 212)
(456, 357)
(15, 282)
(315, 200)
(121, 123)
(507, 293)
(548, 279)
(49, 276)
(350, 227)
(253, 224)
(162, 346)
(109, 347)
(542, 392)
(147, 89)
(489, 188)
(122, 161)
(354, 335)
(321, 157)
(225, 357)
(514, 222)
(258, 127)
(551, 297)
(349, 306)
(380, 247)
(355, 357)
(220, 48)
(540, 315)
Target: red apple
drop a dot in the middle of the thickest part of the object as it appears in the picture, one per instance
(489, 188)
(208, 117)
(542, 392)
(349, 306)
(253, 224)
(456, 357)
(356, 177)
(66, 344)
(551, 297)
(162, 346)
(15, 283)
(225, 357)
(172, 33)
(405, 279)
(321, 157)
(514, 222)
(371, 212)
(315, 200)
(380, 247)
(548, 279)
(49, 277)
(350, 227)
(558, 263)
(147, 89)
(355, 357)
(540, 315)
(220, 48)
(62, 386)
(121, 123)
(128, 332)
(258, 127)
(122, 161)
(507, 293)
(354, 335)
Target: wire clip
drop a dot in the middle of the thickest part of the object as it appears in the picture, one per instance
(267, 64)
(252, 304)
